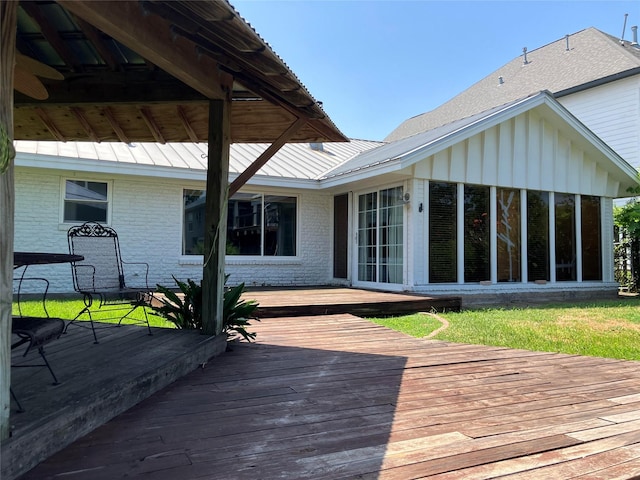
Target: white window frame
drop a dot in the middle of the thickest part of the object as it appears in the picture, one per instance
(63, 197)
(244, 259)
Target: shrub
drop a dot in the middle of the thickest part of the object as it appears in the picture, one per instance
(184, 308)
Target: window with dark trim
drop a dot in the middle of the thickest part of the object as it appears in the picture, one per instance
(565, 213)
(477, 256)
(591, 238)
(537, 235)
(508, 232)
(442, 232)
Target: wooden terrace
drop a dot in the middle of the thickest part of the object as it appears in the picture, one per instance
(304, 301)
(337, 397)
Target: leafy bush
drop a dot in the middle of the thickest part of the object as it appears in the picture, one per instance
(184, 308)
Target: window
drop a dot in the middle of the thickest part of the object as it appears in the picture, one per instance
(257, 224)
(509, 243)
(442, 232)
(477, 258)
(538, 235)
(85, 201)
(591, 238)
(565, 212)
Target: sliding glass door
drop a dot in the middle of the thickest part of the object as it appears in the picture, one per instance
(380, 236)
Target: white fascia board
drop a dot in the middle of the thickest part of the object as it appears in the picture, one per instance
(365, 173)
(52, 162)
(107, 167)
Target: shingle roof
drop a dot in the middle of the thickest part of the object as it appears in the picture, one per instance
(592, 55)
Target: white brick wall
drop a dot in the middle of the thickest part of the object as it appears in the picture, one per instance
(147, 214)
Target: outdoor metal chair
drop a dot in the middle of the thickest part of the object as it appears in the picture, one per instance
(34, 331)
(110, 293)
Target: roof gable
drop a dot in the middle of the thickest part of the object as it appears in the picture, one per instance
(569, 134)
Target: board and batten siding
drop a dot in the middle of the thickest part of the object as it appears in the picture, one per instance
(526, 152)
(147, 214)
(611, 111)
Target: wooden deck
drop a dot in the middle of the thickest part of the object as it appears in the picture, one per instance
(97, 382)
(295, 302)
(336, 397)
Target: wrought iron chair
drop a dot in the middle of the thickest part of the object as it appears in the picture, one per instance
(34, 331)
(102, 281)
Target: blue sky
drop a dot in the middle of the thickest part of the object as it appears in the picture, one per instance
(375, 63)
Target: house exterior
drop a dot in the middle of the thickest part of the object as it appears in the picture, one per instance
(596, 76)
(512, 202)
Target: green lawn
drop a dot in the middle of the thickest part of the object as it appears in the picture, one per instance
(603, 329)
(68, 309)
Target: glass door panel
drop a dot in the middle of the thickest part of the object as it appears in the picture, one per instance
(380, 236)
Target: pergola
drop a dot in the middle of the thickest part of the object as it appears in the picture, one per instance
(134, 71)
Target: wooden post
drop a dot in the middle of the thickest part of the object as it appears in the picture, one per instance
(8, 25)
(215, 238)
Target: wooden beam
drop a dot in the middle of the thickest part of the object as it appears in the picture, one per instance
(108, 114)
(51, 35)
(152, 125)
(42, 115)
(79, 114)
(150, 36)
(8, 26)
(215, 237)
(94, 36)
(187, 125)
(266, 155)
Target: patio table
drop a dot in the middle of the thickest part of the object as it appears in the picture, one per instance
(24, 259)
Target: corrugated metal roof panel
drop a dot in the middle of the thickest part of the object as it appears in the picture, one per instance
(293, 160)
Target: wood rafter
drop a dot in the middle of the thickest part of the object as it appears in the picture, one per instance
(151, 123)
(47, 122)
(187, 126)
(51, 35)
(117, 129)
(79, 114)
(152, 39)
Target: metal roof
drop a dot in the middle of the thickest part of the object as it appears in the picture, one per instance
(292, 161)
(572, 62)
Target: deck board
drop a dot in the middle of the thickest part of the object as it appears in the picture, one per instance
(97, 382)
(303, 301)
(338, 397)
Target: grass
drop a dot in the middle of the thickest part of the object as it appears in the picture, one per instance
(68, 309)
(603, 329)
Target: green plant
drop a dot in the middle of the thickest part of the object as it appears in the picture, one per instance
(238, 313)
(184, 308)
